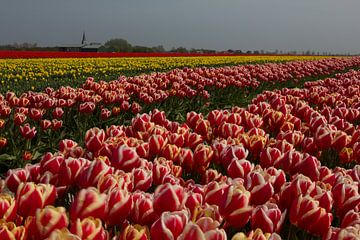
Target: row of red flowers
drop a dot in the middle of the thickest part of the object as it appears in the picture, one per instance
(32, 113)
(200, 179)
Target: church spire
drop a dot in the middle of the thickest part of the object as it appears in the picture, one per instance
(83, 41)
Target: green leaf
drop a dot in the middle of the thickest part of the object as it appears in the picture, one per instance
(5, 157)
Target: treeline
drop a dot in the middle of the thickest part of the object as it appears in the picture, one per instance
(122, 45)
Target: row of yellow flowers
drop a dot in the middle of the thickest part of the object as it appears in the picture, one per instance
(26, 72)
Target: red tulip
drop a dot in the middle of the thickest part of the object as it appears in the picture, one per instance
(268, 218)
(69, 170)
(8, 207)
(36, 114)
(16, 176)
(3, 142)
(58, 112)
(351, 219)
(88, 203)
(28, 132)
(258, 234)
(94, 139)
(261, 190)
(306, 213)
(142, 179)
(134, 232)
(234, 206)
(9, 231)
(170, 225)
(125, 158)
(60, 234)
(56, 124)
(239, 168)
(45, 124)
(143, 212)
(203, 155)
(19, 118)
(31, 196)
(89, 228)
(270, 157)
(105, 114)
(156, 144)
(45, 221)
(169, 197)
(87, 107)
(120, 203)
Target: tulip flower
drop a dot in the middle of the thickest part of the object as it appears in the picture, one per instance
(306, 213)
(46, 221)
(16, 176)
(234, 206)
(120, 203)
(88, 203)
(27, 132)
(134, 232)
(170, 225)
(125, 158)
(31, 196)
(267, 217)
(89, 228)
(169, 197)
(9, 231)
(8, 207)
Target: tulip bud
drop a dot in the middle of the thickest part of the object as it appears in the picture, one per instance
(3, 142)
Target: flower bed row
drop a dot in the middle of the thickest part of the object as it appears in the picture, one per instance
(21, 75)
(44, 118)
(260, 172)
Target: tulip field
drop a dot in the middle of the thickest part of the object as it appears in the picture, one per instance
(257, 151)
(57, 69)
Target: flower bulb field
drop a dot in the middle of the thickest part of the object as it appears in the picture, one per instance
(202, 147)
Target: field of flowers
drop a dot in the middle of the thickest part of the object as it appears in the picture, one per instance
(240, 152)
(35, 74)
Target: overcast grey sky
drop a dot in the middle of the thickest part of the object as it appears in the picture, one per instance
(321, 25)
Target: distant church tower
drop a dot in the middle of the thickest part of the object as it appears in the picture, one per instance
(83, 41)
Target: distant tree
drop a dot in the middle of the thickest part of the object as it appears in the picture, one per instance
(142, 49)
(248, 52)
(179, 50)
(118, 45)
(159, 48)
(256, 52)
